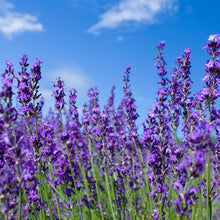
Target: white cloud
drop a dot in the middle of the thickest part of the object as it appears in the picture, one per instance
(72, 76)
(46, 93)
(120, 38)
(132, 11)
(5, 5)
(16, 23)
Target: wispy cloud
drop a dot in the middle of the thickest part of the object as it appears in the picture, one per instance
(72, 77)
(133, 11)
(12, 22)
(46, 93)
(120, 38)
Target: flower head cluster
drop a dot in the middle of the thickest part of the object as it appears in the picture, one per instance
(28, 87)
(210, 92)
(213, 46)
(59, 94)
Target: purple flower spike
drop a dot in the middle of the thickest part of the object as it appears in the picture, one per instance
(210, 92)
(127, 68)
(59, 94)
(161, 45)
(214, 38)
(187, 51)
(23, 62)
(9, 64)
(36, 70)
(213, 46)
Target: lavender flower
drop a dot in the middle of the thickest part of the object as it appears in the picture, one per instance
(213, 46)
(59, 94)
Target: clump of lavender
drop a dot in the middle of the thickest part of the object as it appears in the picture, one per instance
(64, 167)
(157, 140)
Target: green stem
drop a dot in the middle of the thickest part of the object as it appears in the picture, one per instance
(96, 182)
(36, 129)
(208, 177)
(109, 195)
(194, 212)
(111, 178)
(209, 106)
(124, 200)
(19, 179)
(194, 207)
(175, 135)
(61, 118)
(20, 193)
(70, 164)
(179, 217)
(200, 205)
(55, 190)
(43, 213)
(208, 189)
(58, 206)
(151, 202)
(35, 119)
(85, 181)
(29, 126)
(51, 215)
(48, 203)
(158, 194)
(92, 214)
(133, 191)
(86, 185)
(14, 132)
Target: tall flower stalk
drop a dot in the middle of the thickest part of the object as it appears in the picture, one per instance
(210, 93)
(59, 95)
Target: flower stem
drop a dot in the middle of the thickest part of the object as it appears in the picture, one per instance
(58, 206)
(70, 164)
(208, 176)
(20, 193)
(94, 174)
(19, 179)
(208, 189)
(109, 194)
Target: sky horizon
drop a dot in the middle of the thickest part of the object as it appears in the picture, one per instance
(88, 43)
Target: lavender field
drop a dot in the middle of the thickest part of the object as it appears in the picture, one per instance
(98, 165)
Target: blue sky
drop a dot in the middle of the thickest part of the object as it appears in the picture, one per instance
(89, 42)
